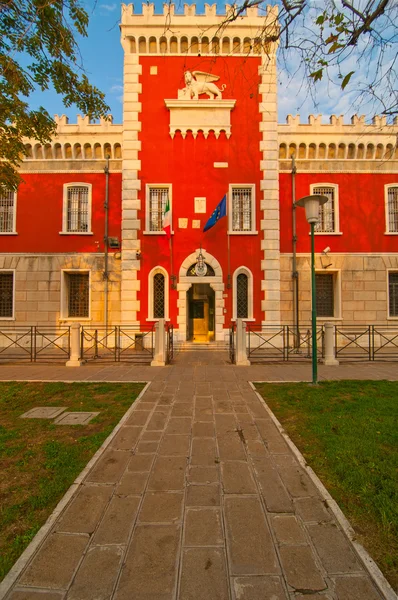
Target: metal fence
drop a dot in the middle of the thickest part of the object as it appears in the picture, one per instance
(34, 343)
(280, 343)
(134, 344)
(169, 342)
(366, 342)
(232, 343)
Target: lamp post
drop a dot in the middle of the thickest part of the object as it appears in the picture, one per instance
(311, 205)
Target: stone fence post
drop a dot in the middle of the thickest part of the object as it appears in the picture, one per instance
(159, 357)
(330, 359)
(241, 351)
(74, 360)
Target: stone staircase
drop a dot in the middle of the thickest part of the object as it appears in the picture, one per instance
(219, 346)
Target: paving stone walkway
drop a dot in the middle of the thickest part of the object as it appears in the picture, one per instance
(198, 497)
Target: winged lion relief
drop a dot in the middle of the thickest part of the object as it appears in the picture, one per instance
(198, 83)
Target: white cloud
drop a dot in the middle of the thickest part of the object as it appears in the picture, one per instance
(109, 7)
(116, 89)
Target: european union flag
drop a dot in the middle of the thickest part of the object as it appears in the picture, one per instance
(219, 212)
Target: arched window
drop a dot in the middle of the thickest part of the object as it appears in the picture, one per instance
(242, 294)
(242, 305)
(158, 294)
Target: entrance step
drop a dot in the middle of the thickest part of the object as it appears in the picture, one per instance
(198, 346)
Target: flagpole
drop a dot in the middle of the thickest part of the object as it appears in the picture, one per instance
(228, 249)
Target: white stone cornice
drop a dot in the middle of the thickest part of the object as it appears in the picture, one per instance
(200, 115)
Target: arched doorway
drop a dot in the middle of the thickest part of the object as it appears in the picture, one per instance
(201, 300)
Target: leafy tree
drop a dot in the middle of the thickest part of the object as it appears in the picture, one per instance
(38, 48)
(346, 41)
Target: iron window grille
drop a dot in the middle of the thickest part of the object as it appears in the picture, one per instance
(242, 300)
(393, 294)
(7, 212)
(327, 212)
(392, 207)
(324, 284)
(78, 294)
(6, 295)
(242, 209)
(158, 296)
(157, 205)
(77, 209)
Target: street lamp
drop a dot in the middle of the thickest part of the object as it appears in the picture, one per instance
(311, 205)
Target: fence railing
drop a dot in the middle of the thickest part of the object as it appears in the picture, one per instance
(118, 343)
(281, 342)
(232, 343)
(366, 342)
(169, 342)
(34, 343)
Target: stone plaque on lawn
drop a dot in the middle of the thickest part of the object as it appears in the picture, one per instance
(44, 412)
(75, 418)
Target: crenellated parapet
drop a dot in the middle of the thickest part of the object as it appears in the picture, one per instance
(337, 140)
(170, 32)
(83, 140)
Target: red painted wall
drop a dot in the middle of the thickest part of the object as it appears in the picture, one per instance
(362, 213)
(188, 165)
(39, 214)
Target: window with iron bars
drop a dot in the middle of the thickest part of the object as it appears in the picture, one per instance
(157, 204)
(392, 209)
(242, 209)
(242, 300)
(77, 209)
(78, 295)
(393, 294)
(6, 295)
(158, 296)
(327, 212)
(324, 284)
(7, 207)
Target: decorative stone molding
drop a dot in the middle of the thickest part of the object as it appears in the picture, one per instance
(200, 115)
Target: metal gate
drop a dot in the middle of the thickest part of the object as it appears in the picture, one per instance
(232, 343)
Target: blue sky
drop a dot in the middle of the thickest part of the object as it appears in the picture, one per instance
(102, 57)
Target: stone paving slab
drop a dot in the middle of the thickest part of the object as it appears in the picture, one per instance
(198, 496)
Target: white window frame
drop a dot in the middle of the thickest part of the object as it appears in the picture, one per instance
(12, 318)
(386, 188)
(65, 295)
(14, 218)
(336, 207)
(156, 186)
(337, 294)
(245, 271)
(252, 187)
(390, 317)
(65, 208)
(151, 275)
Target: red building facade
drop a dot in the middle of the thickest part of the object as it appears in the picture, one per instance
(83, 239)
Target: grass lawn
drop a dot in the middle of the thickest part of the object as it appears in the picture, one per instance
(348, 433)
(40, 460)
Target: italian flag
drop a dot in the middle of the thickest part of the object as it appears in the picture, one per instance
(166, 225)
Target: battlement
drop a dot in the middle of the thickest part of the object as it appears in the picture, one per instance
(171, 32)
(337, 122)
(84, 125)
